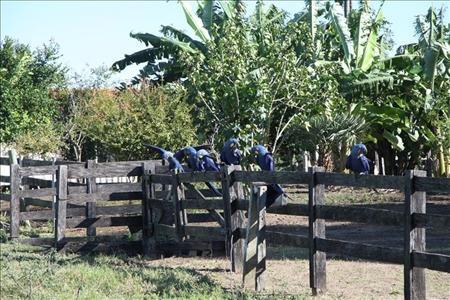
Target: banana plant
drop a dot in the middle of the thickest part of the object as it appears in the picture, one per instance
(161, 56)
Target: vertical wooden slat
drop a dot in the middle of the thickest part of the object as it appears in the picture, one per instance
(226, 196)
(61, 205)
(415, 202)
(317, 259)
(91, 206)
(261, 238)
(148, 190)
(179, 213)
(237, 222)
(254, 263)
(15, 200)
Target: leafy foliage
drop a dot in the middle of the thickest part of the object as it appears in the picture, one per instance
(26, 78)
(121, 121)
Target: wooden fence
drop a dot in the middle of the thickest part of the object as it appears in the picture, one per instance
(176, 215)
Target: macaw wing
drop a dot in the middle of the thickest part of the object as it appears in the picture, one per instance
(268, 163)
(210, 164)
(365, 164)
(155, 149)
(205, 147)
(179, 155)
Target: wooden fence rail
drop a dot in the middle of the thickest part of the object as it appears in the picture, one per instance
(169, 205)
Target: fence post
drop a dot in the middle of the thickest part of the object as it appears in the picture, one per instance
(317, 259)
(91, 206)
(148, 193)
(415, 202)
(232, 193)
(14, 184)
(255, 242)
(179, 212)
(61, 205)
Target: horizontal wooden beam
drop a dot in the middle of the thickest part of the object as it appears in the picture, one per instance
(432, 184)
(293, 209)
(367, 181)
(5, 197)
(103, 222)
(432, 261)
(360, 214)
(361, 251)
(280, 177)
(37, 193)
(199, 176)
(162, 179)
(287, 239)
(204, 232)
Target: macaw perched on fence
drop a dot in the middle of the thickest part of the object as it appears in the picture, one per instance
(206, 162)
(357, 160)
(191, 157)
(265, 161)
(174, 164)
(230, 154)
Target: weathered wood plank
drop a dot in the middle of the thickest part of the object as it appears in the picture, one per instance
(287, 239)
(434, 185)
(179, 212)
(414, 240)
(5, 179)
(35, 171)
(199, 176)
(4, 161)
(360, 214)
(431, 220)
(346, 249)
(162, 179)
(5, 197)
(367, 181)
(432, 261)
(15, 201)
(254, 249)
(189, 194)
(280, 177)
(202, 204)
(83, 222)
(293, 209)
(204, 231)
(91, 206)
(82, 198)
(148, 191)
(317, 258)
(226, 198)
(61, 205)
(37, 193)
(200, 218)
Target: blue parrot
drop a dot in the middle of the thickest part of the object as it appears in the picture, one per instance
(174, 164)
(230, 154)
(357, 160)
(206, 162)
(265, 161)
(191, 157)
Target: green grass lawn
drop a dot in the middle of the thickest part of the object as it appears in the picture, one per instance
(29, 272)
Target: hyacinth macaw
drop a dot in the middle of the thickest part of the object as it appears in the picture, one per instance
(357, 160)
(174, 164)
(265, 161)
(206, 162)
(191, 157)
(230, 154)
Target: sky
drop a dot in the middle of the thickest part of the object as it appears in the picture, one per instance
(94, 33)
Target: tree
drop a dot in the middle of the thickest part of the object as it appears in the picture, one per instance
(162, 57)
(26, 80)
(121, 121)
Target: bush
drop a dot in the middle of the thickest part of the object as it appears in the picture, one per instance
(121, 121)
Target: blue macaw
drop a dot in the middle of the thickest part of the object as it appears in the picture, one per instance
(191, 157)
(206, 162)
(357, 160)
(265, 161)
(230, 154)
(174, 164)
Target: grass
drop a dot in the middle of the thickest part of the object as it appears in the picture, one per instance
(30, 272)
